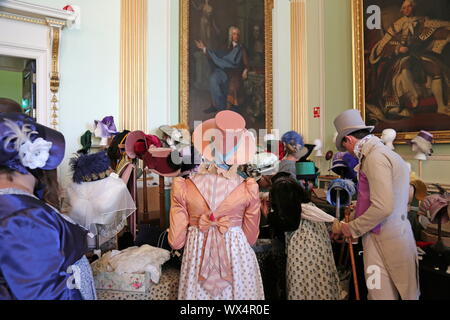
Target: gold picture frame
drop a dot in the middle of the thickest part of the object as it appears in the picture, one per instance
(359, 75)
(185, 44)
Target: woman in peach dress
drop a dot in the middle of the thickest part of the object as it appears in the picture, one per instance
(215, 216)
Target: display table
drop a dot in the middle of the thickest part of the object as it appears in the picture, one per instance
(166, 289)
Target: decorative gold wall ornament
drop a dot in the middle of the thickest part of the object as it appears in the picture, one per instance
(54, 76)
(40, 21)
(133, 65)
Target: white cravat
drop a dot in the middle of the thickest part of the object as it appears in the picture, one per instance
(410, 24)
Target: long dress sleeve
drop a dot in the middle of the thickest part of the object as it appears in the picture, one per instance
(179, 218)
(252, 215)
(32, 260)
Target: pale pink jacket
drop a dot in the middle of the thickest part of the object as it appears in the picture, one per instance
(242, 206)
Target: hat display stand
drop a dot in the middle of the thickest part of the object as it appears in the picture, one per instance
(349, 241)
(329, 157)
(318, 151)
(440, 248)
(162, 202)
(144, 193)
(162, 198)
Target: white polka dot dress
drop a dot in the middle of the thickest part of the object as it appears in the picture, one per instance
(246, 284)
(235, 275)
(311, 271)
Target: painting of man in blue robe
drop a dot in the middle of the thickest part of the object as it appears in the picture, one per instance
(230, 69)
(226, 60)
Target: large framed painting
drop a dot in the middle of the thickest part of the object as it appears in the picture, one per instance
(402, 65)
(226, 60)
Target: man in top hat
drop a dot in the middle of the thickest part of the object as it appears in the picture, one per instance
(390, 254)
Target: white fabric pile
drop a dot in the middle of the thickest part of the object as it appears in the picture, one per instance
(133, 260)
(101, 206)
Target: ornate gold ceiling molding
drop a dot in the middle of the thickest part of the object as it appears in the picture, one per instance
(133, 65)
(40, 21)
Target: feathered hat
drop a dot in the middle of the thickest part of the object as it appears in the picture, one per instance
(25, 144)
(92, 167)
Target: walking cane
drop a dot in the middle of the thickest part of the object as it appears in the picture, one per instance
(338, 217)
(352, 257)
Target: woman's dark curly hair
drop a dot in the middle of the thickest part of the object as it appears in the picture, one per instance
(286, 198)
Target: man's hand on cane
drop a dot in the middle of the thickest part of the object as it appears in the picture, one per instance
(341, 228)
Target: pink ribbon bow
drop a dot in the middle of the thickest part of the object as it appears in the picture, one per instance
(215, 271)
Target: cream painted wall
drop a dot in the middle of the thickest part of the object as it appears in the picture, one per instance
(11, 85)
(281, 66)
(162, 31)
(89, 68)
(338, 64)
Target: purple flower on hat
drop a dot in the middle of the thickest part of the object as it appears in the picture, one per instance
(105, 128)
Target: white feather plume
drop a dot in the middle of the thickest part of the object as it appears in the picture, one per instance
(16, 135)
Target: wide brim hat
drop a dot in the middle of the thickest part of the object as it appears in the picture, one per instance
(90, 167)
(294, 145)
(116, 149)
(347, 123)
(307, 150)
(184, 136)
(424, 142)
(420, 189)
(346, 189)
(225, 139)
(338, 161)
(267, 163)
(106, 127)
(138, 143)
(9, 155)
(434, 204)
(306, 170)
(158, 161)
